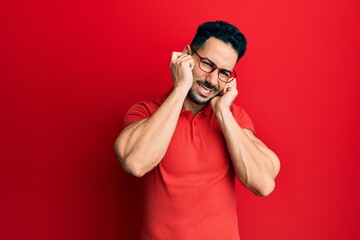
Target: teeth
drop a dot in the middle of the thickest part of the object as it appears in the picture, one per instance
(204, 89)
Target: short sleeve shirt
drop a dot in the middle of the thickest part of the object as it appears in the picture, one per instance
(190, 194)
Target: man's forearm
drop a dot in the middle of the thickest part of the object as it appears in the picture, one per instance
(142, 145)
(255, 165)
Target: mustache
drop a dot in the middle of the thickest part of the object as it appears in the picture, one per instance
(207, 85)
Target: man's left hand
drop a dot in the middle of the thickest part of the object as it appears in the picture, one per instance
(226, 98)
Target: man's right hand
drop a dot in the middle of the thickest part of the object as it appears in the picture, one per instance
(181, 66)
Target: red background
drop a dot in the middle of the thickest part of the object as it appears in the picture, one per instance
(70, 69)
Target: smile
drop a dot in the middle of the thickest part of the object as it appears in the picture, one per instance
(204, 89)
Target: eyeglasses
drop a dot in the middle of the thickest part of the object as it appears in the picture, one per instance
(207, 66)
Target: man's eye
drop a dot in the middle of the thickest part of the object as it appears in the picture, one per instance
(208, 64)
(225, 73)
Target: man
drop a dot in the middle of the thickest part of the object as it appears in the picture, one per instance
(191, 142)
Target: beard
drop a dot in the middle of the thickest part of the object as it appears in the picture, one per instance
(198, 101)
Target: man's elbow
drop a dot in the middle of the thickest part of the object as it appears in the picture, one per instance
(263, 188)
(132, 167)
(267, 185)
(266, 189)
(127, 163)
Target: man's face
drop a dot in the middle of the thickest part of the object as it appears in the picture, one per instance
(207, 85)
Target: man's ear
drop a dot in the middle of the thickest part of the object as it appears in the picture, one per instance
(187, 50)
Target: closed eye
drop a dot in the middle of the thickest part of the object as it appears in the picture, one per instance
(225, 73)
(207, 63)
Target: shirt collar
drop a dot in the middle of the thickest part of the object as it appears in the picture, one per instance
(205, 110)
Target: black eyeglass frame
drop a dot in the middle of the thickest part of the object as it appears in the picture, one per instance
(214, 67)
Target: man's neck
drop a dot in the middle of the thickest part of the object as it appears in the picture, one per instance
(191, 106)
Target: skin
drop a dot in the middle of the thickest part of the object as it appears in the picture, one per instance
(141, 146)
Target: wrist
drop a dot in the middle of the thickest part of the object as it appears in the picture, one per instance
(181, 90)
(222, 112)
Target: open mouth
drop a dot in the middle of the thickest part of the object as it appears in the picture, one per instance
(204, 89)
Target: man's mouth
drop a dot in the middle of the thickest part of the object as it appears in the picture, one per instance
(205, 87)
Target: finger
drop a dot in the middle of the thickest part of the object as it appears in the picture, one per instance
(175, 55)
(184, 58)
(225, 89)
(214, 99)
(234, 82)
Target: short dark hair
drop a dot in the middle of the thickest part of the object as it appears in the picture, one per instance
(223, 31)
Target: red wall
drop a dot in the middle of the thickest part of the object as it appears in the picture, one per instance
(69, 70)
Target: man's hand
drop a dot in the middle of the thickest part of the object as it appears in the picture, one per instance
(226, 98)
(181, 67)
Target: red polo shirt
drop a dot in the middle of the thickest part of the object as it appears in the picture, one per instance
(191, 193)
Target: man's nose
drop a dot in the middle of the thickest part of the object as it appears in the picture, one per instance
(212, 78)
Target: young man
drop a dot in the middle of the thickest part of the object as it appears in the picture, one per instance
(191, 142)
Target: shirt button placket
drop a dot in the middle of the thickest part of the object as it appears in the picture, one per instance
(195, 130)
